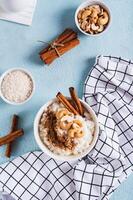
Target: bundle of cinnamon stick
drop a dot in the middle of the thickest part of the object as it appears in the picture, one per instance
(65, 42)
(11, 136)
(75, 107)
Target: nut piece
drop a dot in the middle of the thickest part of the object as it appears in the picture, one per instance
(83, 25)
(77, 123)
(94, 12)
(94, 27)
(71, 133)
(65, 125)
(85, 14)
(101, 12)
(79, 14)
(79, 134)
(97, 7)
(62, 112)
(88, 27)
(103, 20)
(94, 20)
(101, 28)
(75, 133)
(88, 30)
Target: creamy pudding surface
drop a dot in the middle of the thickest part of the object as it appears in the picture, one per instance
(65, 133)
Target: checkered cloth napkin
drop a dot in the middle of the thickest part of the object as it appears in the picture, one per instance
(34, 176)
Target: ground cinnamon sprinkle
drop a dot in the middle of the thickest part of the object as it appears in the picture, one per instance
(61, 141)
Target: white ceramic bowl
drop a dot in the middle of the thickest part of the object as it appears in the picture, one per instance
(9, 71)
(89, 3)
(44, 148)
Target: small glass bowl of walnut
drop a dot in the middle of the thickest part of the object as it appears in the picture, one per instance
(92, 18)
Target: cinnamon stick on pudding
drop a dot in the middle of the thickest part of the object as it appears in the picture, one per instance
(13, 128)
(11, 137)
(65, 42)
(66, 103)
(76, 100)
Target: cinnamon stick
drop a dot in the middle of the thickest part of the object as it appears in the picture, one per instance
(76, 100)
(11, 137)
(66, 103)
(13, 128)
(66, 36)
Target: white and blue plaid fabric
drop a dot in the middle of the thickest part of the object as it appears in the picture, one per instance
(34, 176)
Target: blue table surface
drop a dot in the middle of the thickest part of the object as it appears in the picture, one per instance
(19, 47)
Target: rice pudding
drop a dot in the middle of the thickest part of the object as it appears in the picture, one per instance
(65, 133)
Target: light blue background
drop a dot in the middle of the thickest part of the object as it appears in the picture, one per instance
(19, 48)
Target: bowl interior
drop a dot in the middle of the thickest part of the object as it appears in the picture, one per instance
(4, 75)
(60, 157)
(89, 3)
